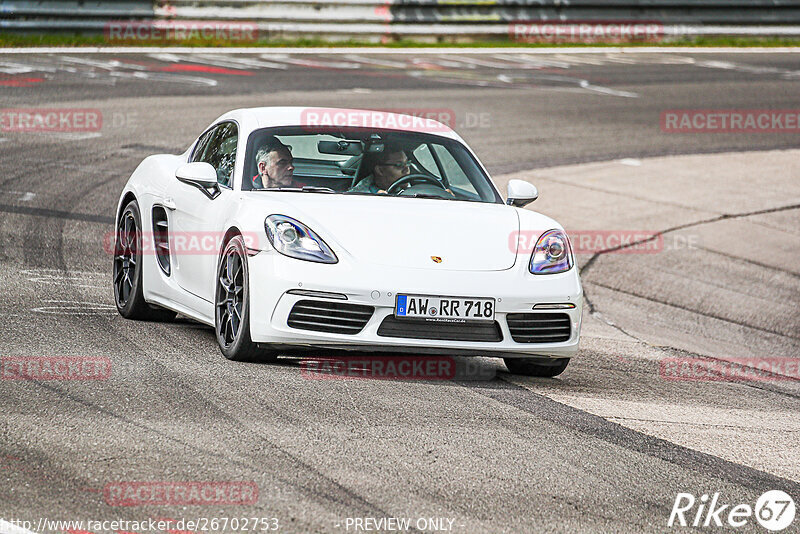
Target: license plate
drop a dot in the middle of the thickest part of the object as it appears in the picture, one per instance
(446, 309)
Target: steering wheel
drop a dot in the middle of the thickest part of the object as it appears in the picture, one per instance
(412, 179)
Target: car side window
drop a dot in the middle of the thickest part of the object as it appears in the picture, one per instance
(202, 144)
(219, 150)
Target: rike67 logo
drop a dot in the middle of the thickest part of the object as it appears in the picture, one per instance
(774, 510)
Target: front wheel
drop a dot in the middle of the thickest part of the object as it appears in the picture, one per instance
(536, 367)
(232, 305)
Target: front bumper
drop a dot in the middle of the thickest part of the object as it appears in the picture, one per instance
(515, 291)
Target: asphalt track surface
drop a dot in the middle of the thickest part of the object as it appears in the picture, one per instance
(605, 447)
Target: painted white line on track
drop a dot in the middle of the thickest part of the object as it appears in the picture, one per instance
(65, 307)
(73, 136)
(539, 62)
(165, 57)
(7, 67)
(451, 63)
(581, 83)
(754, 69)
(606, 90)
(284, 58)
(252, 63)
(165, 77)
(355, 90)
(485, 63)
(406, 51)
(105, 65)
(82, 279)
(218, 61)
(199, 58)
(573, 60)
(22, 196)
(378, 62)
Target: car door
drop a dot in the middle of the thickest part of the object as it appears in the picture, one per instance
(197, 215)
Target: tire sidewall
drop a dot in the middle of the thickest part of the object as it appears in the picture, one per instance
(243, 346)
(136, 295)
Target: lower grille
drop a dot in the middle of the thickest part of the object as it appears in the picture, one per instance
(539, 327)
(333, 317)
(408, 328)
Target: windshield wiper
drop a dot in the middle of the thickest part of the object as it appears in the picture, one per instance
(316, 189)
(415, 195)
(362, 193)
(304, 189)
(425, 195)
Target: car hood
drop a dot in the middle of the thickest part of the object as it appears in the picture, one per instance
(466, 236)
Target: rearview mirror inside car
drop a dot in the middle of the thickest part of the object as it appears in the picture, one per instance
(343, 147)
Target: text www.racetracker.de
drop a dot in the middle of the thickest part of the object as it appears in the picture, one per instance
(200, 524)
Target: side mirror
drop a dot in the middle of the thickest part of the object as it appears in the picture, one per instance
(521, 193)
(200, 175)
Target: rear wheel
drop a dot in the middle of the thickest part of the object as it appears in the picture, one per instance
(536, 367)
(232, 305)
(128, 288)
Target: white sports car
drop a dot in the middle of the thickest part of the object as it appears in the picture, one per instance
(290, 228)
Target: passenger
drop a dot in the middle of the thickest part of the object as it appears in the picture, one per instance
(275, 166)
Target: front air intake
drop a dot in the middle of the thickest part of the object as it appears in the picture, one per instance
(539, 327)
(332, 317)
(436, 330)
(161, 238)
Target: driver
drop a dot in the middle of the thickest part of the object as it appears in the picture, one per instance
(390, 165)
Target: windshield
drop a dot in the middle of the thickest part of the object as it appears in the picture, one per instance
(362, 161)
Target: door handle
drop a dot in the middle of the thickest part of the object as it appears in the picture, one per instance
(169, 204)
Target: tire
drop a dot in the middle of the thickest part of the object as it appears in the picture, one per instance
(536, 367)
(232, 306)
(127, 270)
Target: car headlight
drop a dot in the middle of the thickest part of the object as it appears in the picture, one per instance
(296, 240)
(552, 254)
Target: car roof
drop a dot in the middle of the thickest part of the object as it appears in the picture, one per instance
(266, 117)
